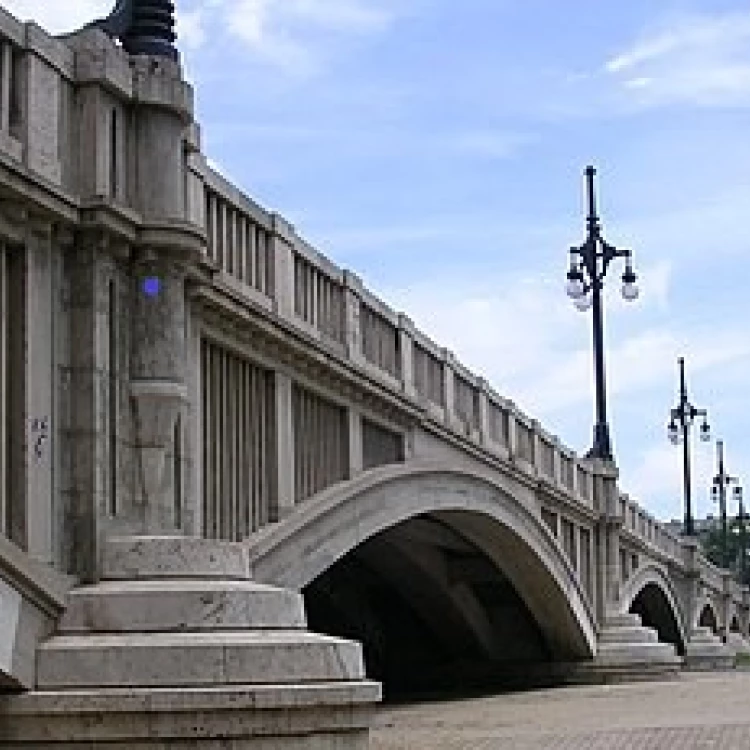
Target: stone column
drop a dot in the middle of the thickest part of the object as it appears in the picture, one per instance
(83, 479)
(157, 382)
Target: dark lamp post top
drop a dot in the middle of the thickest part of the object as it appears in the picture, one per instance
(145, 27)
(585, 279)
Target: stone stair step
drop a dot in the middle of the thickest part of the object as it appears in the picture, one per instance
(628, 634)
(624, 653)
(625, 620)
(181, 605)
(196, 659)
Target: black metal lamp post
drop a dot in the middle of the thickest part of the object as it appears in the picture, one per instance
(721, 481)
(681, 420)
(588, 267)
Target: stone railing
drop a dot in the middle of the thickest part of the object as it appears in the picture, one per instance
(238, 237)
(258, 253)
(36, 73)
(319, 294)
(639, 524)
(712, 575)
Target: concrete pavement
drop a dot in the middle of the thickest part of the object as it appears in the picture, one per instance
(706, 711)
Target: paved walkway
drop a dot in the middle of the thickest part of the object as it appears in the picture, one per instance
(706, 711)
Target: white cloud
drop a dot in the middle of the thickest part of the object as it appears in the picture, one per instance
(71, 15)
(286, 34)
(59, 17)
(696, 59)
(191, 27)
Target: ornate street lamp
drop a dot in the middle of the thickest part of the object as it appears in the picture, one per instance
(721, 481)
(588, 267)
(681, 420)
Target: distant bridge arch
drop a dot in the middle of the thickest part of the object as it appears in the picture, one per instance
(707, 616)
(493, 513)
(651, 594)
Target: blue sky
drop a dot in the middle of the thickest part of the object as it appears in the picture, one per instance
(436, 148)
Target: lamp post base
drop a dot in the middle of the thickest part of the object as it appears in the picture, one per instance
(602, 447)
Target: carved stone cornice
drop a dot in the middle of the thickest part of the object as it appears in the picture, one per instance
(182, 239)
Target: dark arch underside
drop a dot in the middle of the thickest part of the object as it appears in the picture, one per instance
(432, 611)
(707, 619)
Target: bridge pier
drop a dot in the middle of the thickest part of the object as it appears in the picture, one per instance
(626, 649)
(171, 644)
(177, 647)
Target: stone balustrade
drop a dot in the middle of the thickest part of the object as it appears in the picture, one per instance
(261, 253)
(711, 575)
(258, 253)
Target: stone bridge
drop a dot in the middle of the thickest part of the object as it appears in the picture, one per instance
(225, 464)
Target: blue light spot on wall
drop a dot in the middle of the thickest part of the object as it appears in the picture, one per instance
(151, 286)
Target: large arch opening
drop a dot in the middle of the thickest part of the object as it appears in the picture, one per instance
(657, 612)
(433, 612)
(446, 575)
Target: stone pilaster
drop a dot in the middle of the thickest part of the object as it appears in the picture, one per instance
(483, 403)
(283, 268)
(449, 389)
(284, 445)
(352, 329)
(607, 537)
(40, 313)
(406, 333)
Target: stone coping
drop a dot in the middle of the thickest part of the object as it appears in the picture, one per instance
(36, 581)
(188, 699)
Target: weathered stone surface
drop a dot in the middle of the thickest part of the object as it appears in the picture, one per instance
(194, 659)
(172, 557)
(257, 717)
(181, 606)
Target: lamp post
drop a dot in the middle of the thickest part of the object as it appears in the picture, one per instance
(588, 267)
(721, 481)
(681, 420)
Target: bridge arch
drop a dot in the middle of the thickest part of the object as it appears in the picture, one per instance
(494, 512)
(708, 617)
(651, 594)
